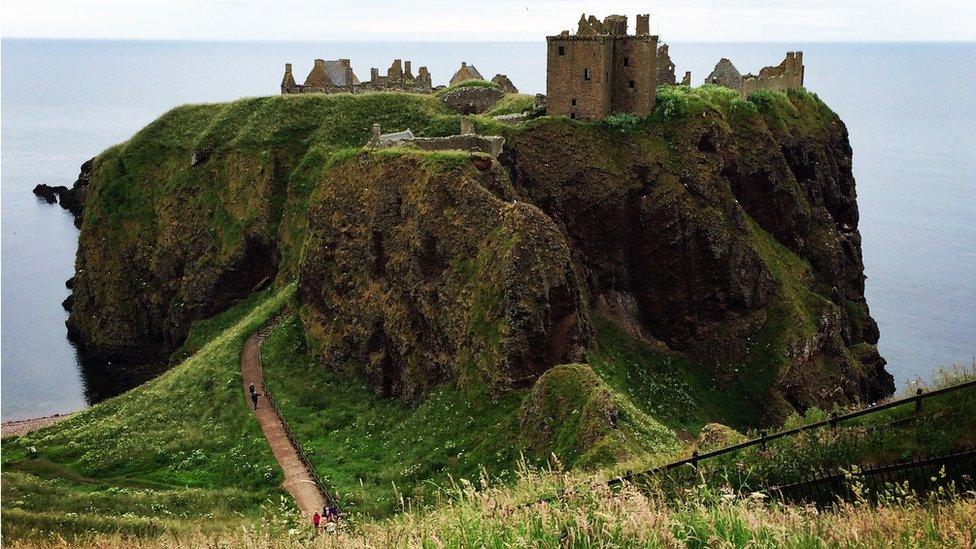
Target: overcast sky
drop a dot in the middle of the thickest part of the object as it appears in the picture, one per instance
(674, 20)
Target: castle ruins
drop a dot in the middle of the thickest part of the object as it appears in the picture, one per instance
(601, 69)
(337, 76)
(787, 75)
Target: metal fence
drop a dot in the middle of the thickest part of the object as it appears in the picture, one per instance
(764, 438)
(871, 482)
(292, 439)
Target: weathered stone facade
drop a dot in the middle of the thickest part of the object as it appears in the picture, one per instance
(601, 69)
(686, 80)
(786, 75)
(338, 76)
(465, 73)
(504, 83)
(399, 77)
(325, 77)
(472, 99)
(665, 67)
(725, 74)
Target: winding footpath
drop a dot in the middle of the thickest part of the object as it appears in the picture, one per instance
(298, 482)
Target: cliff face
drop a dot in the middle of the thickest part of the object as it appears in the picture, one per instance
(417, 270)
(720, 230)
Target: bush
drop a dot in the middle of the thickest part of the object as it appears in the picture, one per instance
(622, 122)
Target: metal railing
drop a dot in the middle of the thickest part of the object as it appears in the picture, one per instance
(292, 439)
(764, 438)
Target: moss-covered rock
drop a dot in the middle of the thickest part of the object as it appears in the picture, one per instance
(415, 271)
(719, 230)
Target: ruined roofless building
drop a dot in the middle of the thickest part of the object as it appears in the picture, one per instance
(325, 77)
(337, 76)
(601, 69)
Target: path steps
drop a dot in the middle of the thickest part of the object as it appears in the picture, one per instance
(298, 480)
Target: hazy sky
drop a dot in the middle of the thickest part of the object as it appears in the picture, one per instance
(674, 20)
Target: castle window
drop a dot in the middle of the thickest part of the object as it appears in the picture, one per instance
(627, 63)
(562, 50)
(631, 84)
(572, 115)
(586, 74)
(574, 102)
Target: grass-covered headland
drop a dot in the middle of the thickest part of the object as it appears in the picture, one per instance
(465, 337)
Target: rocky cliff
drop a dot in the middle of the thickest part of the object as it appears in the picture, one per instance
(719, 230)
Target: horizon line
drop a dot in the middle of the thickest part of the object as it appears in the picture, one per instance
(421, 41)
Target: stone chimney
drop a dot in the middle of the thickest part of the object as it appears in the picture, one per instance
(288, 81)
(686, 81)
(467, 128)
(464, 64)
(643, 24)
(350, 79)
(319, 64)
(407, 70)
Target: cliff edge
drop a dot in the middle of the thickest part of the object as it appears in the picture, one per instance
(719, 231)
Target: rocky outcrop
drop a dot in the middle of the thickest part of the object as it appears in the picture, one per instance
(416, 275)
(730, 242)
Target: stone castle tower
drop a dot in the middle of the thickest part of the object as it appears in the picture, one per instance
(601, 69)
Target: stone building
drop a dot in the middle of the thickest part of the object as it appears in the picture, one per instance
(400, 77)
(338, 76)
(601, 69)
(786, 75)
(466, 72)
(665, 67)
(504, 83)
(725, 74)
(325, 77)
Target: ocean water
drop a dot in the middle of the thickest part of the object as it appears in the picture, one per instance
(909, 108)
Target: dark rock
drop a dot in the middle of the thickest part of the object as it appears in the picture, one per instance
(68, 302)
(48, 193)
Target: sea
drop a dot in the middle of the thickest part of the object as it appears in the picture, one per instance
(909, 107)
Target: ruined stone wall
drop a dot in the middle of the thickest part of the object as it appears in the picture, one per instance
(725, 74)
(787, 75)
(664, 67)
(488, 144)
(472, 99)
(570, 60)
(634, 74)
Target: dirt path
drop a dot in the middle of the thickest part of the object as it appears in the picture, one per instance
(298, 481)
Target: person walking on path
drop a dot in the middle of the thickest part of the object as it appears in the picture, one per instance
(316, 518)
(254, 396)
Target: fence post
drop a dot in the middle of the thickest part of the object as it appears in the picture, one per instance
(694, 459)
(918, 401)
(762, 438)
(833, 419)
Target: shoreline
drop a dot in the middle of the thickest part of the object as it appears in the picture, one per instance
(20, 427)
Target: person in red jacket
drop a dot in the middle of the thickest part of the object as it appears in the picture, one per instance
(316, 518)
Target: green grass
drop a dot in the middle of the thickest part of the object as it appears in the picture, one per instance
(467, 84)
(372, 449)
(512, 103)
(183, 446)
(375, 450)
(947, 424)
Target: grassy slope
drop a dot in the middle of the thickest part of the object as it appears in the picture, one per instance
(181, 446)
(375, 450)
(147, 440)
